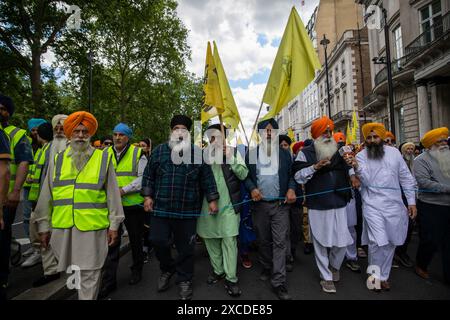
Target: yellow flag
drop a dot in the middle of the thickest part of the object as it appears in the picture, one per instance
(348, 135)
(294, 66)
(355, 126)
(290, 134)
(212, 97)
(230, 115)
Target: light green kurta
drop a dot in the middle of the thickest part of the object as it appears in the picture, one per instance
(226, 222)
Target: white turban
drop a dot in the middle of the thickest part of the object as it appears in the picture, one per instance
(58, 119)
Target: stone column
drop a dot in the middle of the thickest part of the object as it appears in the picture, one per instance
(440, 102)
(423, 108)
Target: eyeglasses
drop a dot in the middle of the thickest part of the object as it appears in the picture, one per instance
(442, 141)
(108, 143)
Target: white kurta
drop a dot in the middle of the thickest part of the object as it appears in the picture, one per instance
(351, 212)
(385, 217)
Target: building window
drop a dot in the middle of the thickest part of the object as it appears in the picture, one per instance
(398, 42)
(431, 20)
(336, 72)
(344, 100)
(337, 103)
(331, 79)
(343, 68)
(321, 92)
(400, 124)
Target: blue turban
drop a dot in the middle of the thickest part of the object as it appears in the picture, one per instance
(123, 128)
(264, 123)
(35, 122)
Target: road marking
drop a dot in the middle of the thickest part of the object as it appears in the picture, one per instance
(17, 223)
(23, 241)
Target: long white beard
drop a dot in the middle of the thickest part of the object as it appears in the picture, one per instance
(59, 144)
(80, 153)
(177, 145)
(442, 156)
(325, 148)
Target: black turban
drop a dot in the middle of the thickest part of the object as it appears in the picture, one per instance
(263, 124)
(45, 131)
(284, 137)
(7, 103)
(181, 119)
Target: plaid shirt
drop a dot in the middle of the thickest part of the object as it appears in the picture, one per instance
(177, 189)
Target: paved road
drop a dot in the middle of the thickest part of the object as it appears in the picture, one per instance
(303, 282)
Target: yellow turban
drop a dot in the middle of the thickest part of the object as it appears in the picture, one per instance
(431, 137)
(378, 128)
(319, 126)
(77, 118)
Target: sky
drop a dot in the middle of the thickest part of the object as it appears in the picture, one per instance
(247, 34)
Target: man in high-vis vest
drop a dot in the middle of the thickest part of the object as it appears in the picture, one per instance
(5, 158)
(129, 163)
(21, 157)
(83, 206)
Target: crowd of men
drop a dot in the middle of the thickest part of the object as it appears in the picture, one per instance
(77, 196)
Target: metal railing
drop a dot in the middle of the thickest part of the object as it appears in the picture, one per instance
(398, 66)
(341, 115)
(432, 34)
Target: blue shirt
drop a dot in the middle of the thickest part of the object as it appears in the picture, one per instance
(5, 153)
(269, 185)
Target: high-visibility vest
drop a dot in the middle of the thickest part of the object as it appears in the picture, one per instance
(38, 171)
(31, 167)
(79, 197)
(126, 172)
(15, 135)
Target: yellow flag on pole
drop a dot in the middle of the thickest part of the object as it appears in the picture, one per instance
(294, 66)
(230, 114)
(348, 135)
(291, 135)
(212, 96)
(355, 126)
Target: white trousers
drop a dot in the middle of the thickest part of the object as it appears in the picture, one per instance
(382, 258)
(350, 253)
(89, 284)
(326, 257)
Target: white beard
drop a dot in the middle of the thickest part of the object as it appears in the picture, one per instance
(80, 153)
(442, 156)
(177, 145)
(325, 148)
(58, 145)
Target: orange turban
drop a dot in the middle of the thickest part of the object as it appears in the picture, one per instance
(319, 126)
(431, 137)
(339, 137)
(378, 128)
(97, 143)
(389, 135)
(77, 118)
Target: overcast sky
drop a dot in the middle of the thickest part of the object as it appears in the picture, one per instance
(247, 34)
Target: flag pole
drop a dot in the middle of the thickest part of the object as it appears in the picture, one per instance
(256, 121)
(245, 134)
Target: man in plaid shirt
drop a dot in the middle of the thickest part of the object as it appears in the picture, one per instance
(173, 187)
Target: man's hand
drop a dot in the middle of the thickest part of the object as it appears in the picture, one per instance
(44, 238)
(356, 183)
(256, 195)
(2, 224)
(148, 204)
(322, 163)
(113, 237)
(290, 197)
(122, 193)
(213, 207)
(412, 212)
(351, 160)
(13, 199)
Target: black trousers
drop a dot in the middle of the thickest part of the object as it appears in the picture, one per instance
(359, 218)
(295, 226)
(183, 232)
(134, 222)
(434, 234)
(9, 215)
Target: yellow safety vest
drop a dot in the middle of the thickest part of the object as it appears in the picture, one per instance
(79, 198)
(37, 177)
(15, 135)
(126, 172)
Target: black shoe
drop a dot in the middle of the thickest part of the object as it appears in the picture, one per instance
(3, 296)
(265, 275)
(232, 288)
(353, 265)
(45, 279)
(164, 281)
(290, 259)
(214, 278)
(282, 293)
(136, 276)
(185, 290)
(289, 267)
(308, 248)
(105, 291)
(404, 260)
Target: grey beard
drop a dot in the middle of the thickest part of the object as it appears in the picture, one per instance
(325, 148)
(443, 159)
(80, 154)
(58, 145)
(375, 151)
(179, 145)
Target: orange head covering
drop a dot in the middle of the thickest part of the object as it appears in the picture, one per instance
(339, 137)
(390, 135)
(77, 118)
(378, 128)
(431, 137)
(97, 143)
(319, 126)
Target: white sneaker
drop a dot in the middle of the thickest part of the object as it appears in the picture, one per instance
(29, 252)
(328, 286)
(32, 260)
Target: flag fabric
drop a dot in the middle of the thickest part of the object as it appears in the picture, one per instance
(294, 66)
(348, 135)
(355, 126)
(230, 115)
(212, 96)
(291, 135)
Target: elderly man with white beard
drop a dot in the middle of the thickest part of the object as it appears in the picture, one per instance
(81, 199)
(323, 171)
(432, 171)
(173, 186)
(384, 175)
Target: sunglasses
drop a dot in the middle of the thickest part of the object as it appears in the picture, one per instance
(108, 143)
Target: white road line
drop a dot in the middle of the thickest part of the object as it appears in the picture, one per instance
(23, 241)
(17, 223)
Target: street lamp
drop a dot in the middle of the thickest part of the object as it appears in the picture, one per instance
(90, 58)
(325, 42)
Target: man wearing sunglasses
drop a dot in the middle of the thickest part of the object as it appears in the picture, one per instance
(389, 140)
